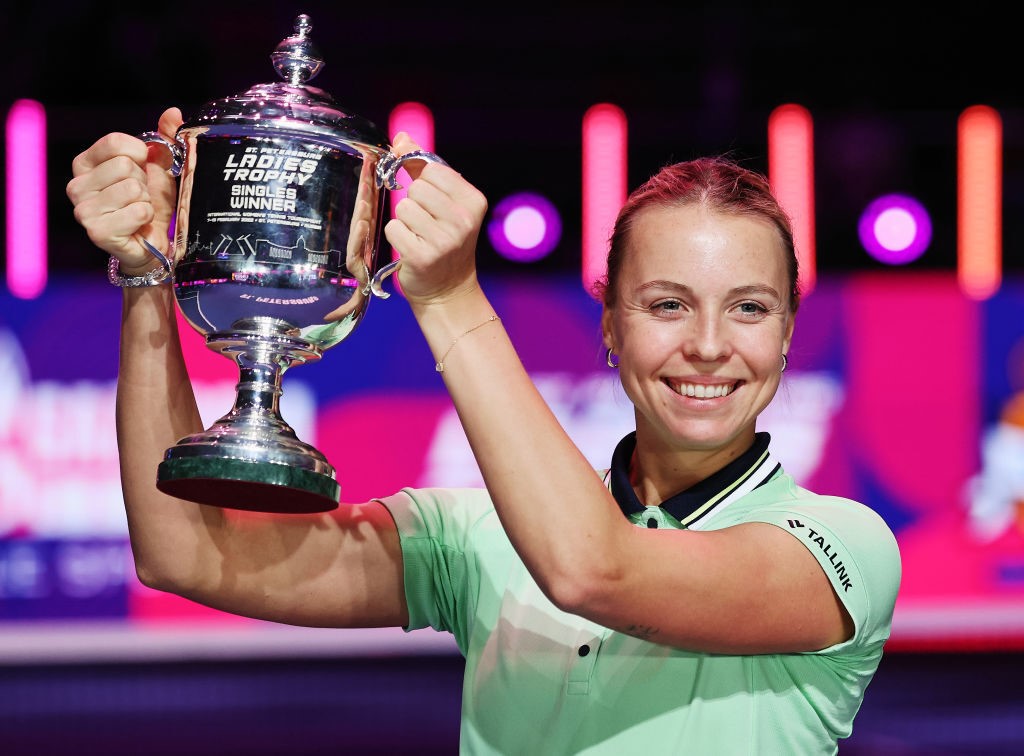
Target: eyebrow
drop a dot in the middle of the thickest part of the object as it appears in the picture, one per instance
(750, 290)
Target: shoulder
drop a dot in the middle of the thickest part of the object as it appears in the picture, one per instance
(849, 521)
(781, 498)
(853, 544)
(810, 515)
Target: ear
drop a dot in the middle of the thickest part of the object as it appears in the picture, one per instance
(788, 337)
(607, 334)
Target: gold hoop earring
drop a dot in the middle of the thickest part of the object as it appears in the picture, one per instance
(785, 363)
(608, 359)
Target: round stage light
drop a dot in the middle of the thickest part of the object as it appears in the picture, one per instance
(895, 229)
(524, 227)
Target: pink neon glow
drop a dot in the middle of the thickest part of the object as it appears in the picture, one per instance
(524, 227)
(895, 229)
(26, 199)
(979, 201)
(417, 121)
(791, 173)
(604, 184)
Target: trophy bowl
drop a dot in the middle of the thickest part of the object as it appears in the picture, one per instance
(274, 260)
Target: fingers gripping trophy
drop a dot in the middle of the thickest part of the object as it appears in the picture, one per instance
(274, 260)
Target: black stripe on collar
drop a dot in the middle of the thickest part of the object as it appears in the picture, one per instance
(686, 503)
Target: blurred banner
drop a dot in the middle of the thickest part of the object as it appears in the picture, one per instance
(900, 393)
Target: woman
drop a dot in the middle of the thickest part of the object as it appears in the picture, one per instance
(690, 598)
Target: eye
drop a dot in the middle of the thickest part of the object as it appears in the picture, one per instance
(666, 306)
(752, 309)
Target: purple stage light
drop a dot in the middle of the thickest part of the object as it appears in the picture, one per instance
(524, 227)
(895, 229)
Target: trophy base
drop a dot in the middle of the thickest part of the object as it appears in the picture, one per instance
(254, 486)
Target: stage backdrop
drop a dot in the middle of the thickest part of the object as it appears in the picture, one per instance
(900, 393)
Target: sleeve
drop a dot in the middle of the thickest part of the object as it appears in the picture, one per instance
(859, 553)
(434, 528)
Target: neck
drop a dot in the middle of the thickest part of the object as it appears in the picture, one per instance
(658, 472)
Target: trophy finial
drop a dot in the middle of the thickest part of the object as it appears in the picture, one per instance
(296, 58)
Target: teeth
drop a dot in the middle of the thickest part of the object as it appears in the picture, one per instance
(702, 391)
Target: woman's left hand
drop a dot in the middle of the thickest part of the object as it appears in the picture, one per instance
(435, 230)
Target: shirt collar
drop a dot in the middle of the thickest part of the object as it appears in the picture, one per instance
(751, 469)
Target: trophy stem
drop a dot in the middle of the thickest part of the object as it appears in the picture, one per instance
(251, 458)
(257, 398)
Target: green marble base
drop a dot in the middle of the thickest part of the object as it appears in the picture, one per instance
(249, 485)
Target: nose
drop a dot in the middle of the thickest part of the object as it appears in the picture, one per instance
(707, 338)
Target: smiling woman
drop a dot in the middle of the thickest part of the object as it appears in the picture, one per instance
(693, 567)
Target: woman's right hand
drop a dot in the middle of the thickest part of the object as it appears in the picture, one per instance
(121, 188)
(435, 230)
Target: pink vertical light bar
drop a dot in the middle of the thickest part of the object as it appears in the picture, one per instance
(979, 201)
(417, 121)
(604, 184)
(791, 173)
(26, 199)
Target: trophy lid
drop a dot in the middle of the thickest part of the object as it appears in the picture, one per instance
(292, 106)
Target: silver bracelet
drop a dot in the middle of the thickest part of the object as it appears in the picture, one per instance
(159, 275)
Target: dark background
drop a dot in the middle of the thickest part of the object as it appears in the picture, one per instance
(941, 704)
(509, 84)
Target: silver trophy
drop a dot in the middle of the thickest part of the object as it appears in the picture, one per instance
(274, 260)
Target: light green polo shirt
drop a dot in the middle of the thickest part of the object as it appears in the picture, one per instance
(541, 681)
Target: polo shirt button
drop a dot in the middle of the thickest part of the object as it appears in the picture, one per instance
(652, 523)
(584, 650)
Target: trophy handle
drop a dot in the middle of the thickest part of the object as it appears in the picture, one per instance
(375, 283)
(177, 150)
(387, 176)
(389, 163)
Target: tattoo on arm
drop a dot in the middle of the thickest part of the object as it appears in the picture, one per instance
(644, 632)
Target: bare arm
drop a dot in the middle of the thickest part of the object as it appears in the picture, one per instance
(748, 589)
(338, 569)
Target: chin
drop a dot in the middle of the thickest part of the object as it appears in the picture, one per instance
(709, 438)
